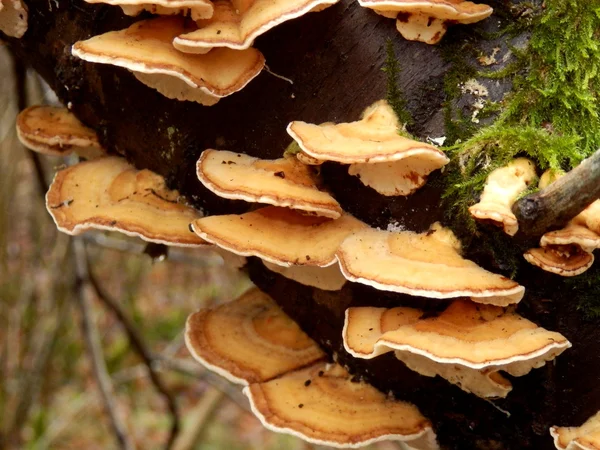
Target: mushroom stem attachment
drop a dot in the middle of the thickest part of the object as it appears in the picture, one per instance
(554, 206)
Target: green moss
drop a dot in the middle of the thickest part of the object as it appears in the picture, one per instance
(395, 97)
(552, 116)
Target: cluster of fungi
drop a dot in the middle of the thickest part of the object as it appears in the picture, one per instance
(201, 51)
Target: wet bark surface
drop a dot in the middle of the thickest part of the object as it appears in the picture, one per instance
(334, 59)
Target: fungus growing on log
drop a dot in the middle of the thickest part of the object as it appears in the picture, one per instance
(466, 343)
(197, 9)
(284, 182)
(249, 340)
(427, 265)
(383, 159)
(323, 405)
(56, 131)
(427, 20)
(236, 24)
(568, 251)
(13, 18)
(501, 190)
(145, 48)
(585, 437)
(110, 194)
(279, 235)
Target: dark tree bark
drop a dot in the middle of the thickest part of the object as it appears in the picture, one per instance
(335, 59)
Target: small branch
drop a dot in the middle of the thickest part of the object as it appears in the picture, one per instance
(145, 354)
(553, 207)
(198, 418)
(94, 348)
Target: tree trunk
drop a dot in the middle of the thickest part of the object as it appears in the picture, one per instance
(335, 59)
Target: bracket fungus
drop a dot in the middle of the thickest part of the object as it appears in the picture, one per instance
(284, 182)
(109, 194)
(383, 159)
(56, 131)
(249, 340)
(502, 188)
(422, 264)
(585, 437)
(145, 48)
(279, 235)
(568, 251)
(13, 18)
(322, 405)
(197, 9)
(427, 20)
(466, 343)
(237, 23)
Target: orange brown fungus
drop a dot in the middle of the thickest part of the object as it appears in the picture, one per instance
(284, 182)
(427, 20)
(249, 340)
(13, 18)
(375, 151)
(467, 343)
(145, 48)
(109, 194)
(323, 405)
(236, 24)
(56, 131)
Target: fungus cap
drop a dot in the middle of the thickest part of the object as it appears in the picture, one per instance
(427, 20)
(249, 340)
(284, 182)
(56, 131)
(145, 48)
(585, 437)
(383, 159)
(13, 18)
(322, 405)
(326, 278)
(279, 235)
(427, 265)
(563, 260)
(109, 194)
(471, 335)
(237, 24)
(501, 190)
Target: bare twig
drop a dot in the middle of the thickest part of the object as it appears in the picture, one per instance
(198, 419)
(145, 354)
(553, 207)
(90, 332)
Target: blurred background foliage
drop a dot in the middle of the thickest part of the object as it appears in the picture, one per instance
(49, 398)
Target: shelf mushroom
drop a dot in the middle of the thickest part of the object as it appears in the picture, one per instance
(13, 18)
(237, 23)
(145, 48)
(502, 188)
(585, 437)
(326, 278)
(249, 340)
(426, 264)
(252, 342)
(467, 344)
(109, 194)
(427, 20)
(197, 9)
(56, 131)
(279, 235)
(568, 251)
(322, 405)
(284, 182)
(374, 149)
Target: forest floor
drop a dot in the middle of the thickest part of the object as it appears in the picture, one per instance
(49, 398)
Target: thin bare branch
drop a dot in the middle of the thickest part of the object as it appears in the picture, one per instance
(90, 333)
(197, 419)
(138, 344)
